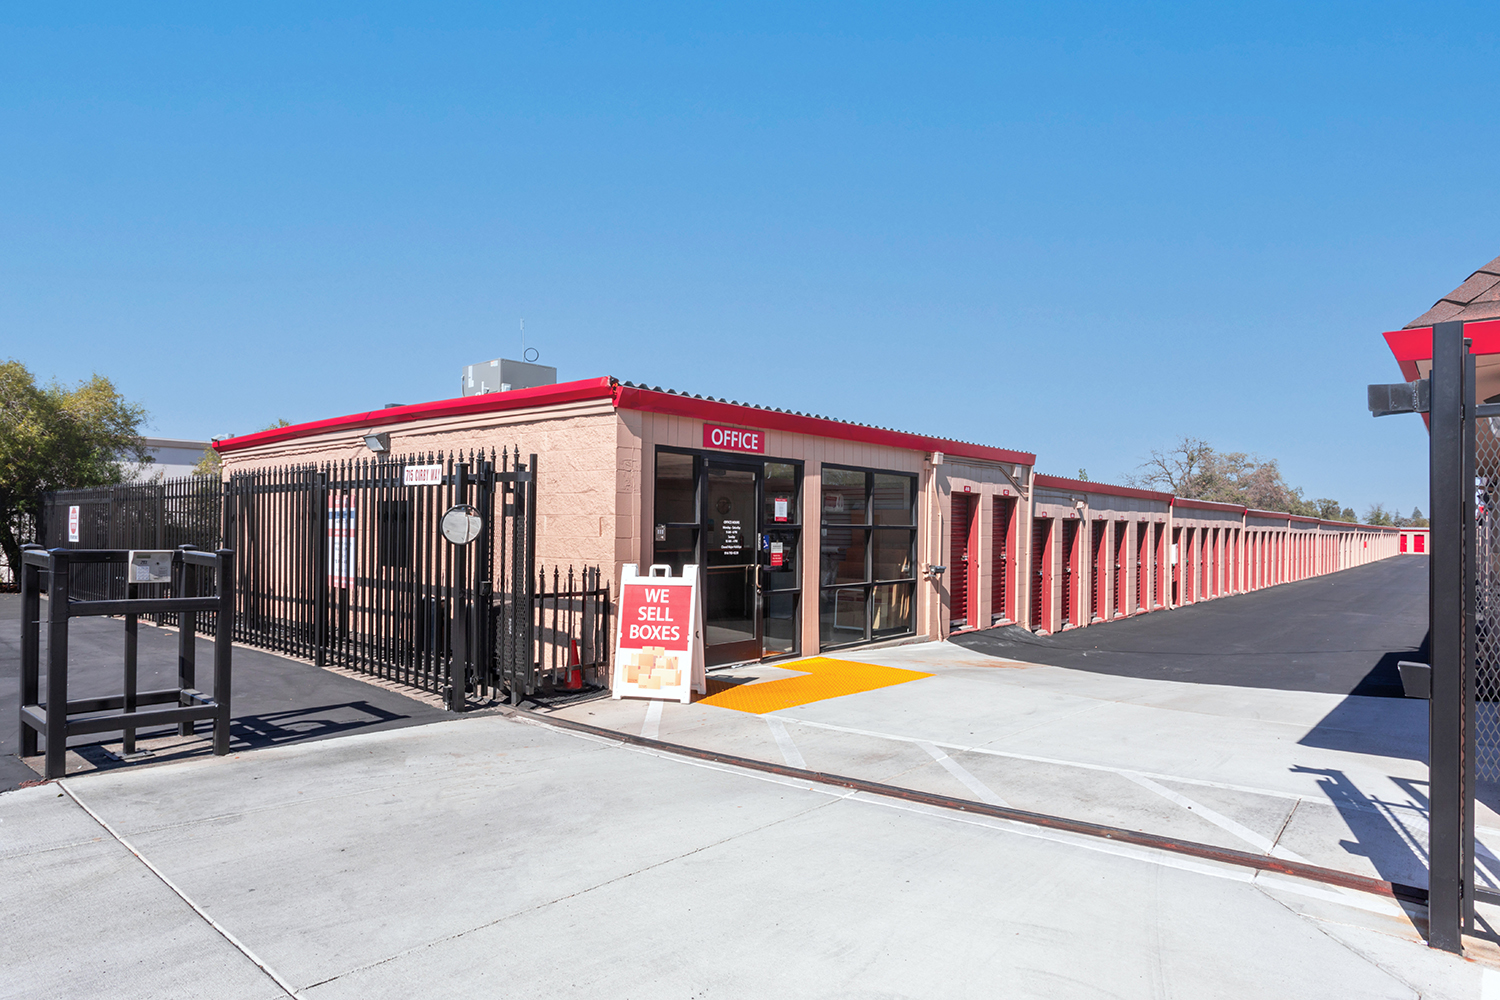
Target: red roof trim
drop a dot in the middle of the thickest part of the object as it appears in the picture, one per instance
(1084, 486)
(1411, 346)
(651, 401)
(1210, 505)
(630, 398)
(493, 402)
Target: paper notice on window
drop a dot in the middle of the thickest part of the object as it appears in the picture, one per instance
(781, 505)
(778, 553)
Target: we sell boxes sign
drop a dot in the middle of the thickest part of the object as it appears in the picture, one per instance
(659, 639)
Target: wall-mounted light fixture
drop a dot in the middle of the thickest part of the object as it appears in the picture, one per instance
(378, 443)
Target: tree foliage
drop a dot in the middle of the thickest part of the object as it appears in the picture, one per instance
(55, 437)
(1194, 470)
(209, 463)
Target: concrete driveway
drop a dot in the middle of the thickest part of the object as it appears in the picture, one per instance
(492, 857)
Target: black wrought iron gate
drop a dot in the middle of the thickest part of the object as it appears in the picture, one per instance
(345, 564)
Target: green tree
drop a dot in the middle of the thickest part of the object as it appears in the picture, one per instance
(1083, 475)
(209, 464)
(55, 437)
(1417, 520)
(1377, 514)
(1329, 510)
(1194, 470)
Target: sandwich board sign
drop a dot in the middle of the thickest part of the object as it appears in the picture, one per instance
(659, 636)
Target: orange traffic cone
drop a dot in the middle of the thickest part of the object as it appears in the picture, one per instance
(575, 672)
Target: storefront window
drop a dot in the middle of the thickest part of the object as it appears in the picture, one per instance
(893, 498)
(868, 566)
(676, 489)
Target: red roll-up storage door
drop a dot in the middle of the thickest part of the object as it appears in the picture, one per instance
(958, 560)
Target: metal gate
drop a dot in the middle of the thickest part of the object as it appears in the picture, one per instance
(1462, 680)
(344, 564)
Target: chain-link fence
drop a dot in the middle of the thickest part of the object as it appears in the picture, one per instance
(1487, 598)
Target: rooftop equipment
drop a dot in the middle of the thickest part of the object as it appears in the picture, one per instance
(503, 375)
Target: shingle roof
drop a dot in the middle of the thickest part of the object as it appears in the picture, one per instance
(1476, 298)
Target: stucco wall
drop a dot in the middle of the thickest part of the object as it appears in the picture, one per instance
(581, 471)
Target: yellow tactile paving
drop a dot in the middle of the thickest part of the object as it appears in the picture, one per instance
(823, 678)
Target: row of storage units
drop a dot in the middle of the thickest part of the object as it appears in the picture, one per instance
(1068, 553)
(811, 534)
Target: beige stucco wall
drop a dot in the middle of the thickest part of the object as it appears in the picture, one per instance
(581, 470)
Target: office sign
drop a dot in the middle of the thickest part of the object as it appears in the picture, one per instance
(659, 636)
(734, 438)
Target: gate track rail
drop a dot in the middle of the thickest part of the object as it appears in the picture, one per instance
(1190, 848)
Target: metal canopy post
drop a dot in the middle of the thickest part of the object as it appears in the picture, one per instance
(1446, 614)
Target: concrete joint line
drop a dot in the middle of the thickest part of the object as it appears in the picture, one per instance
(966, 779)
(223, 931)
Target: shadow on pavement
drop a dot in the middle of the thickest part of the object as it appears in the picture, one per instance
(273, 728)
(276, 700)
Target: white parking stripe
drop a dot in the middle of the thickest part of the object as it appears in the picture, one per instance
(1275, 793)
(789, 751)
(953, 767)
(1249, 836)
(652, 726)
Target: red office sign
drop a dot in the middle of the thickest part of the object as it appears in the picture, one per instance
(734, 438)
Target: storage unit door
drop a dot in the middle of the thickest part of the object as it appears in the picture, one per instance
(958, 560)
(1070, 543)
(1000, 556)
(1040, 579)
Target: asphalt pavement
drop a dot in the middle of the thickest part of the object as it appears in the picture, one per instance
(275, 700)
(1342, 633)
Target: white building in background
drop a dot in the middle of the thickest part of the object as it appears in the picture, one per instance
(173, 458)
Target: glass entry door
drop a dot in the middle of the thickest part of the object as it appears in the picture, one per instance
(731, 586)
(739, 520)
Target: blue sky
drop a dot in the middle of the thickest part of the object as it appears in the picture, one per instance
(1080, 230)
